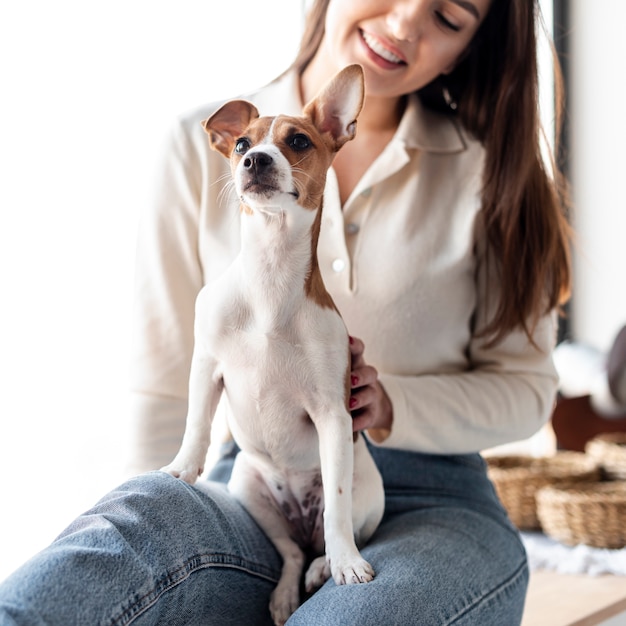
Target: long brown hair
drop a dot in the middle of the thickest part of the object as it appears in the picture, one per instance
(524, 203)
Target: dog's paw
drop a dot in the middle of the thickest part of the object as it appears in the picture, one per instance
(284, 600)
(189, 472)
(353, 572)
(317, 574)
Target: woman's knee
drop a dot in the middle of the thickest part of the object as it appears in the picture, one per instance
(165, 511)
(151, 503)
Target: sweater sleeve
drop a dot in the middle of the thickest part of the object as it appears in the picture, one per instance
(167, 281)
(505, 394)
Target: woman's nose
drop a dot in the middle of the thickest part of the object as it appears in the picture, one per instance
(404, 19)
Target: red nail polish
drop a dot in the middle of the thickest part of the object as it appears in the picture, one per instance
(352, 402)
(354, 380)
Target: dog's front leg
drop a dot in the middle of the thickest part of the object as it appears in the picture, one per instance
(205, 388)
(334, 430)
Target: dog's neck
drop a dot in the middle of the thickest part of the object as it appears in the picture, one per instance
(278, 260)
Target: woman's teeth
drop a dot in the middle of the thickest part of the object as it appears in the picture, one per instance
(380, 50)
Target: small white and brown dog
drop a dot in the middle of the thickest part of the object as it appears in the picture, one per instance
(267, 333)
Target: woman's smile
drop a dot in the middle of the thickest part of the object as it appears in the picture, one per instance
(381, 52)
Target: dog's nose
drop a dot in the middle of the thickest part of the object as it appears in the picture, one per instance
(257, 161)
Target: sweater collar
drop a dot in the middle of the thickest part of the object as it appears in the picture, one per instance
(429, 131)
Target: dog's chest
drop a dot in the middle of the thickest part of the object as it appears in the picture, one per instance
(276, 375)
(281, 357)
(268, 378)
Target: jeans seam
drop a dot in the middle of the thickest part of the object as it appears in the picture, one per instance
(496, 590)
(172, 579)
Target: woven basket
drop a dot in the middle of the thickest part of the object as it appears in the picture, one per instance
(609, 452)
(518, 478)
(592, 513)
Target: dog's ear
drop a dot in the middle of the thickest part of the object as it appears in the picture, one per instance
(335, 108)
(227, 124)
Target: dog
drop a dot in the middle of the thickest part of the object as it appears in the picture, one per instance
(268, 334)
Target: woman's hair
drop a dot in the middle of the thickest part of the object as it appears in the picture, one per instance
(524, 200)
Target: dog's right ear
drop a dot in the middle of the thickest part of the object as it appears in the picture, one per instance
(335, 108)
(227, 124)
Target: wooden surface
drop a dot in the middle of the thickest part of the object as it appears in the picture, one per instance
(573, 600)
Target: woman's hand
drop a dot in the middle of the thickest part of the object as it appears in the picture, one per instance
(369, 403)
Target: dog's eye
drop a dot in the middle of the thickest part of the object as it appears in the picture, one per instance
(299, 142)
(242, 146)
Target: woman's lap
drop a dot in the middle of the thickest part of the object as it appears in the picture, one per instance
(445, 552)
(433, 567)
(156, 551)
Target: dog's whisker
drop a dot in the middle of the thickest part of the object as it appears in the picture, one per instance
(299, 186)
(300, 170)
(303, 173)
(227, 190)
(224, 177)
(228, 195)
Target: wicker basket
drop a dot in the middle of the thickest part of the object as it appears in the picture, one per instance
(591, 513)
(609, 452)
(518, 478)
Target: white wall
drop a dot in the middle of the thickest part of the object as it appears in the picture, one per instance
(599, 169)
(88, 92)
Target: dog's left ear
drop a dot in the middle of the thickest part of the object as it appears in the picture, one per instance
(227, 124)
(335, 108)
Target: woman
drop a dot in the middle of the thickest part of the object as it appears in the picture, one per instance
(445, 248)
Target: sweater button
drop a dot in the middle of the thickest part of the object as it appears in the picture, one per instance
(338, 265)
(352, 228)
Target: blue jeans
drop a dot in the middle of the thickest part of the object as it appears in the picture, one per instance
(157, 551)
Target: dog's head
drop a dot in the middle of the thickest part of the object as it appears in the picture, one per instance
(276, 160)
